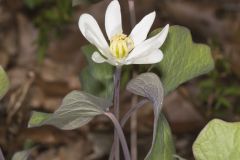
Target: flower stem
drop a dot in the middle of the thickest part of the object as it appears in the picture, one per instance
(132, 110)
(133, 124)
(117, 78)
(126, 117)
(121, 136)
(133, 130)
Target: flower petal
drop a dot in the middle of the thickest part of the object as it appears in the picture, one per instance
(96, 57)
(92, 32)
(149, 45)
(154, 57)
(140, 31)
(113, 19)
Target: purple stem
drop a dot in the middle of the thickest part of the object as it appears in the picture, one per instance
(133, 124)
(117, 78)
(132, 110)
(126, 117)
(120, 133)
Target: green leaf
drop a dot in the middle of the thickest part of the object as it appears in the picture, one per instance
(149, 85)
(218, 140)
(102, 71)
(96, 78)
(37, 118)
(183, 59)
(89, 83)
(163, 148)
(4, 83)
(77, 109)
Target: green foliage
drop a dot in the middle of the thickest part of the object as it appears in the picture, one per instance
(99, 71)
(183, 59)
(219, 140)
(77, 109)
(96, 78)
(91, 85)
(222, 85)
(37, 118)
(4, 83)
(163, 146)
(149, 85)
(49, 17)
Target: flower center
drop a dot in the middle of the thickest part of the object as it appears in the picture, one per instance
(121, 45)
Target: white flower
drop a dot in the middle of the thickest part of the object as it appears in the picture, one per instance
(123, 49)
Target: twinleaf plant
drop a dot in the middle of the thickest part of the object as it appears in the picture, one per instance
(123, 50)
(173, 58)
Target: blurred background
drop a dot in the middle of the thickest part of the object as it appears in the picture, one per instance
(40, 48)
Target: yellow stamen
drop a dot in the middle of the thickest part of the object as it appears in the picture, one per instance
(121, 45)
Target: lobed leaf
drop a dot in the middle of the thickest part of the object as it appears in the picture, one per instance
(183, 59)
(218, 140)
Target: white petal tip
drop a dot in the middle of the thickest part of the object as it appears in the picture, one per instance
(153, 14)
(114, 3)
(165, 31)
(82, 19)
(141, 30)
(113, 19)
(166, 27)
